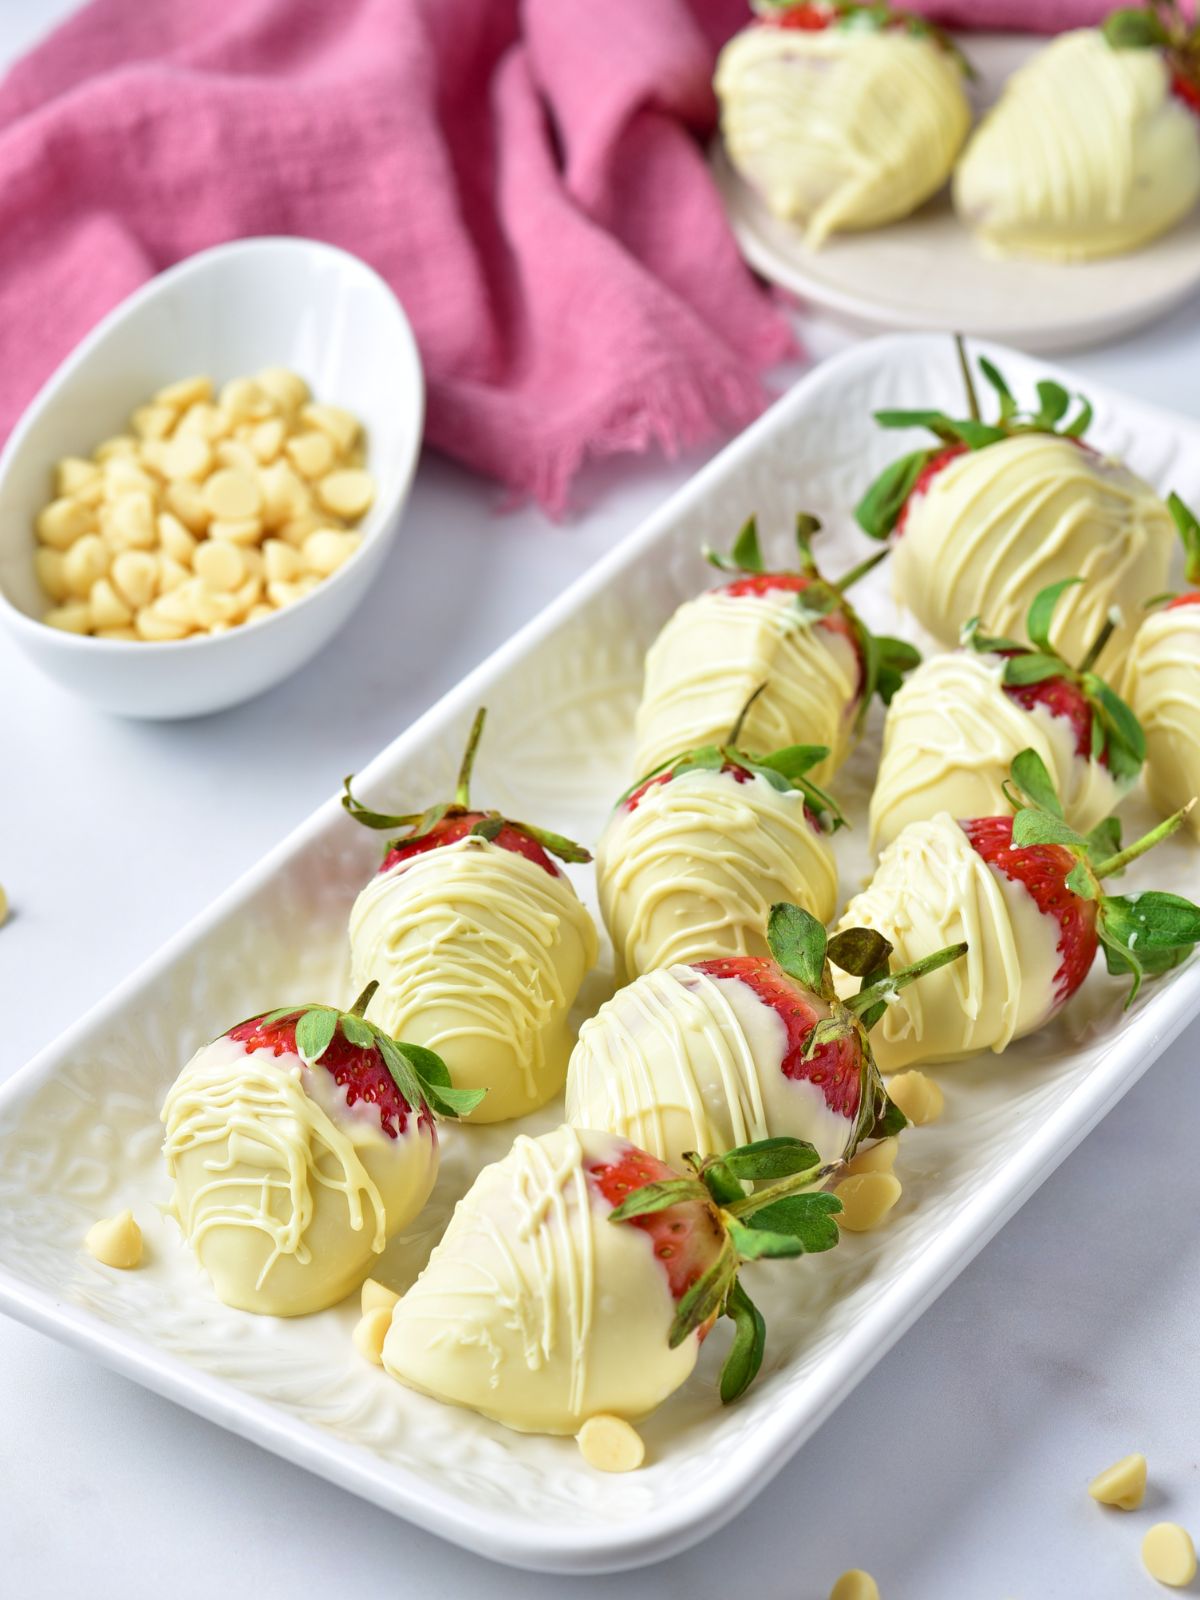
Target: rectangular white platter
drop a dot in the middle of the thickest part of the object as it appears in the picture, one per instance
(79, 1129)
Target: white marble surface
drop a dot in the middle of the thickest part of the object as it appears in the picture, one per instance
(958, 1469)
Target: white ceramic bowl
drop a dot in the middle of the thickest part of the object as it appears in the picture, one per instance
(225, 312)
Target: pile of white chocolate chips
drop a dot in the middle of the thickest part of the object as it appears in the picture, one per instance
(212, 511)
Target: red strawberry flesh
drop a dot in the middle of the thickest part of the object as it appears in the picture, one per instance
(807, 19)
(1061, 698)
(453, 828)
(1187, 90)
(936, 463)
(1042, 869)
(362, 1073)
(1191, 599)
(686, 1237)
(836, 1067)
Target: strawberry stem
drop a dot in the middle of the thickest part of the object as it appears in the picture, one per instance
(735, 732)
(359, 1008)
(1101, 639)
(799, 1183)
(462, 791)
(860, 571)
(891, 985)
(1105, 869)
(968, 381)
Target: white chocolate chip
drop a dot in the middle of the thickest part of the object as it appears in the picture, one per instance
(239, 457)
(116, 1241)
(377, 1296)
(880, 1157)
(919, 1097)
(610, 1444)
(88, 558)
(231, 495)
(855, 1585)
(185, 502)
(131, 525)
(122, 444)
(1169, 1555)
(1122, 1485)
(109, 610)
(242, 398)
(258, 612)
(153, 421)
(287, 389)
(62, 522)
(135, 576)
(156, 628)
(370, 1331)
(175, 539)
(310, 453)
(48, 564)
(186, 458)
(187, 392)
(205, 420)
(73, 473)
(266, 439)
(123, 477)
(219, 562)
(340, 426)
(325, 551)
(347, 493)
(866, 1198)
(282, 563)
(73, 618)
(171, 574)
(283, 494)
(248, 530)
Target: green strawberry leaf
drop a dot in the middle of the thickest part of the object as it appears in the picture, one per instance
(1104, 840)
(453, 1102)
(1041, 615)
(1130, 29)
(1189, 532)
(756, 1243)
(1008, 404)
(797, 941)
(1054, 402)
(705, 1297)
(1031, 667)
(315, 1031)
(879, 509)
(749, 1344)
(859, 951)
(746, 555)
(806, 1218)
(1036, 827)
(1031, 777)
(779, 1157)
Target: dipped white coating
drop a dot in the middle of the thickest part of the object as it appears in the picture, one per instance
(693, 869)
(1164, 689)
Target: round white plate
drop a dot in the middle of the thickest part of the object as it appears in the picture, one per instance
(927, 273)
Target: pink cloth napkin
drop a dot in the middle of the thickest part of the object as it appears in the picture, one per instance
(527, 174)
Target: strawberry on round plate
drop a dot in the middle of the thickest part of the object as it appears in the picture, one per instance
(478, 943)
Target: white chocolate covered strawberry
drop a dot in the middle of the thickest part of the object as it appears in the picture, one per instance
(954, 729)
(1025, 894)
(992, 513)
(478, 943)
(579, 1275)
(795, 633)
(299, 1143)
(1164, 684)
(695, 856)
(843, 116)
(740, 1048)
(1094, 146)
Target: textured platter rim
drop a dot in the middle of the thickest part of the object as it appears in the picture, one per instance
(525, 1540)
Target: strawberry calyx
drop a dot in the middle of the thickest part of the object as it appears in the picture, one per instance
(882, 660)
(1189, 532)
(457, 819)
(1161, 25)
(1142, 935)
(883, 509)
(783, 769)
(809, 17)
(766, 1202)
(352, 1047)
(1106, 730)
